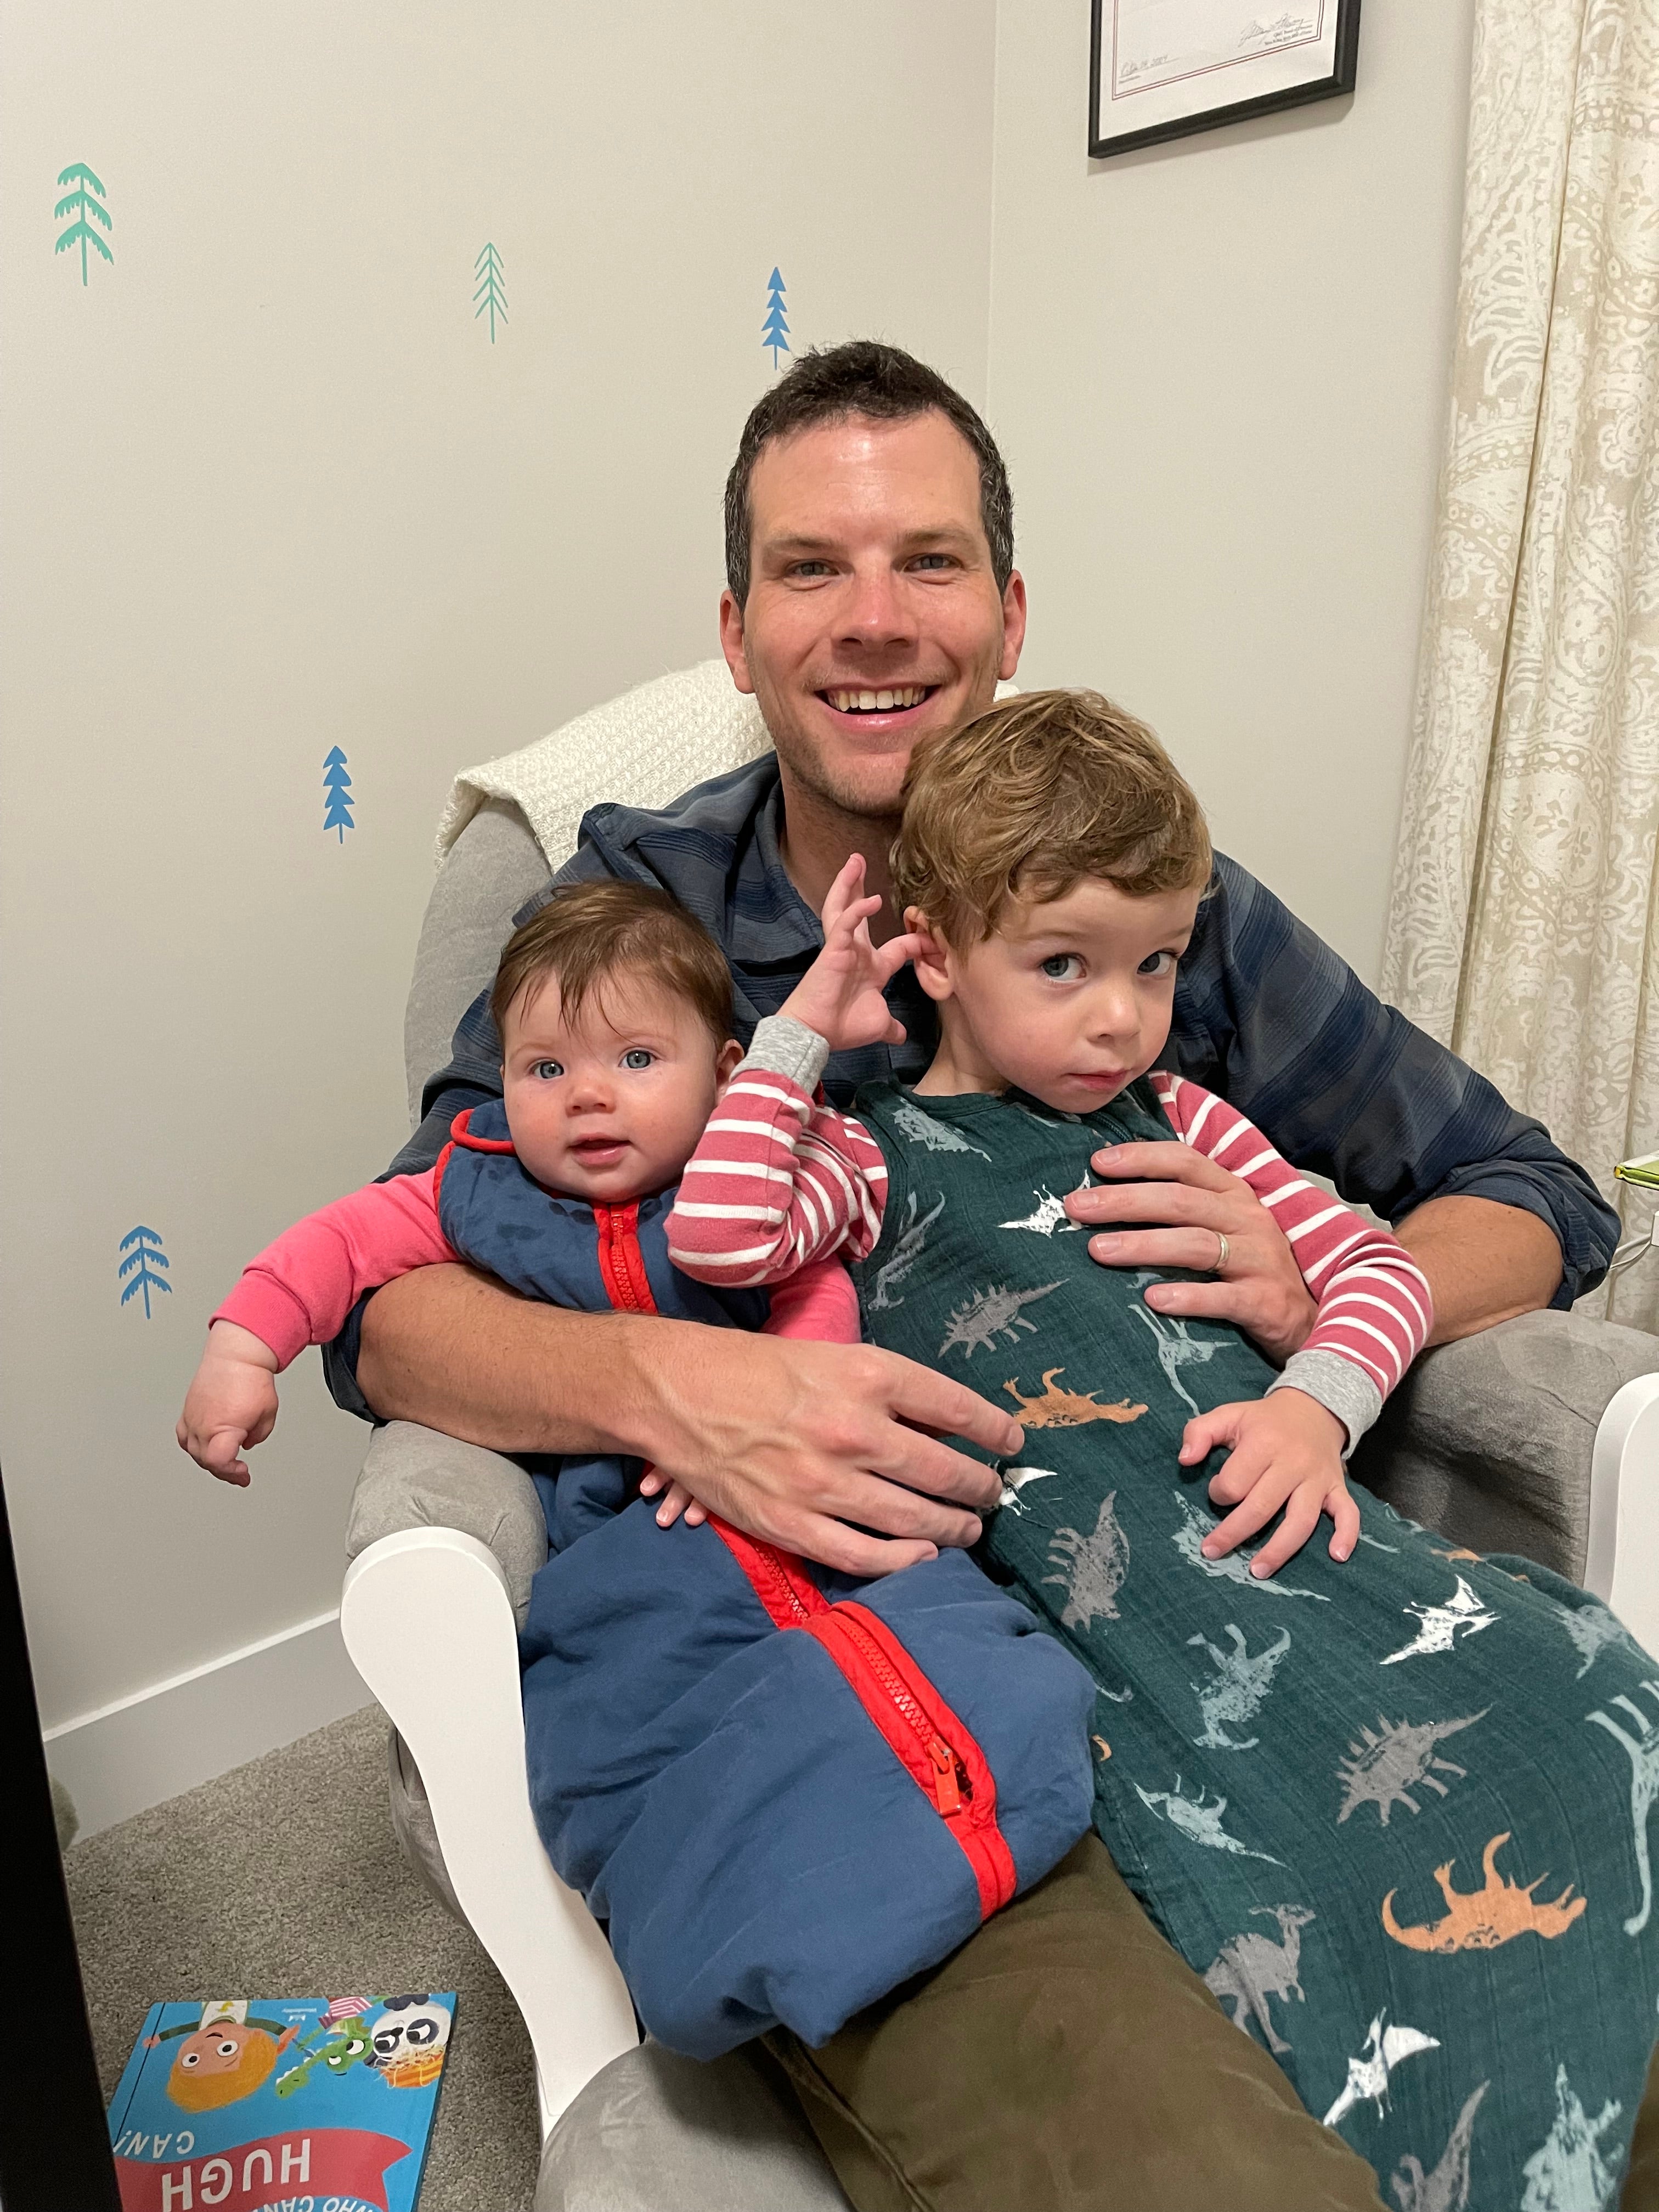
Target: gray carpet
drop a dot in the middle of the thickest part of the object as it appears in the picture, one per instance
(282, 1880)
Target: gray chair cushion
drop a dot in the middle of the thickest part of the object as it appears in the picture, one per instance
(1490, 1440)
(653, 2132)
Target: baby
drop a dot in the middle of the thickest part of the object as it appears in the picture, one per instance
(615, 1011)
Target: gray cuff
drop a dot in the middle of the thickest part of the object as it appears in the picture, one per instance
(783, 1046)
(1339, 1386)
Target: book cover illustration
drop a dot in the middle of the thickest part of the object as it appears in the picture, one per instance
(256, 2105)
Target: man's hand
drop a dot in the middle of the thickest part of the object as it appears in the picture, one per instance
(1195, 1200)
(793, 1441)
(840, 995)
(231, 1405)
(1286, 1449)
(789, 1440)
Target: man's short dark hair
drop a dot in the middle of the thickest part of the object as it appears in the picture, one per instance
(863, 377)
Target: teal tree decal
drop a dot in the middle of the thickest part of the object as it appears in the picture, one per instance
(87, 199)
(136, 1272)
(489, 295)
(336, 814)
(775, 333)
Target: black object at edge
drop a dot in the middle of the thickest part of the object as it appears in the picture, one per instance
(54, 2139)
(1340, 80)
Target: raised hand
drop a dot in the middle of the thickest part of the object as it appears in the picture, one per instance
(840, 995)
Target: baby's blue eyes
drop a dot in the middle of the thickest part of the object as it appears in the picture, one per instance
(1065, 967)
(546, 1071)
(638, 1058)
(1153, 963)
(1057, 966)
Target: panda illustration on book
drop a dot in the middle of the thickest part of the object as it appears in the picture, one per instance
(408, 2039)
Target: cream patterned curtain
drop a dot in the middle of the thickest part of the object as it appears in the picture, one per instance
(1524, 930)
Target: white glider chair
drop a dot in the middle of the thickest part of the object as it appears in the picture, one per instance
(1540, 1436)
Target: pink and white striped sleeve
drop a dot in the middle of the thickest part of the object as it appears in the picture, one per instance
(1375, 1307)
(776, 1182)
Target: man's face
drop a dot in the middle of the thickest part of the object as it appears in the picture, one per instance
(873, 618)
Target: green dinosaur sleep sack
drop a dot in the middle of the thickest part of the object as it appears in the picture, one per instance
(1393, 1811)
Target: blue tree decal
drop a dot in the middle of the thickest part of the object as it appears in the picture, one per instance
(487, 269)
(774, 331)
(145, 1255)
(87, 199)
(337, 784)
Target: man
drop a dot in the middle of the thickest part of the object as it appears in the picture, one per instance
(1065, 2056)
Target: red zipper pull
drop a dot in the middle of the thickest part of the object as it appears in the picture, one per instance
(947, 1788)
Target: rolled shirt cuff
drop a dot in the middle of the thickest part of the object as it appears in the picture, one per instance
(783, 1046)
(1338, 1385)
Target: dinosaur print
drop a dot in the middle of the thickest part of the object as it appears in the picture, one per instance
(1592, 1629)
(1049, 1217)
(922, 1129)
(1446, 2189)
(911, 1243)
(1236, 1567)
(1368, 2075)
(1383, 1770)
(1481, 1919)
(1092, 1568)
(1014, 1479)
(1067, 1409)
(1177, 1349)
(1567, 2171)
(1375, 1545)
(1461, 1553)
(1438, 1625)
(1236, 1693)
(990, 1313)
(1102, 1746)
(1642, 1750)
(1250, 1968)
(1200, 1821)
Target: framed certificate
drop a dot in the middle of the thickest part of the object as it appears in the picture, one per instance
(1160, 69)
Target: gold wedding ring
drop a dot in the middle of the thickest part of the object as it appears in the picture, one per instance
(1222, 1249)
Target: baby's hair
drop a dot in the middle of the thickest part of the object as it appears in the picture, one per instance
(208, 2092)
(588, 935)
(1033, 796)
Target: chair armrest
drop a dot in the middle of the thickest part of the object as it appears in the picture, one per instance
(443, 1595)
(413, 1478)
(1492, 1440)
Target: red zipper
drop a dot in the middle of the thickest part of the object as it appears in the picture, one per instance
(928, 1738)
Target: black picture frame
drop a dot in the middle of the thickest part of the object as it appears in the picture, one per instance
(1340, 79)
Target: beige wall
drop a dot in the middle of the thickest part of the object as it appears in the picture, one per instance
(268, 488)
(1218, 370)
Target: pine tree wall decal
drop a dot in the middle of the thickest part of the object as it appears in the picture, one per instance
(87, 199)
(338, 803)
(145, 1255)
(489, 295)
(776, 330)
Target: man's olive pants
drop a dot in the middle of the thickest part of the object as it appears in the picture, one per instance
(1068, 2060)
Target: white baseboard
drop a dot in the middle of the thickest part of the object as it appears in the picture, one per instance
(147, 1748)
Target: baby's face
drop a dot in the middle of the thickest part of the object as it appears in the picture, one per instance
(1068, 1001)
(611, 1105)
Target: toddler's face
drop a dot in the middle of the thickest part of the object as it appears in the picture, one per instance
(1069, 1000)
(611, 1105)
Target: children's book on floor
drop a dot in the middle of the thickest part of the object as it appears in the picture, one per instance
(249, 2103)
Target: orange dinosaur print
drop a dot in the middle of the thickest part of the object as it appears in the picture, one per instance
(1481, 1919)
(1101, 1744)
(1067, 1409)
(1475, 1556)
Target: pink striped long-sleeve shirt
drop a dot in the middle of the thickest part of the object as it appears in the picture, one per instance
(779, 1181)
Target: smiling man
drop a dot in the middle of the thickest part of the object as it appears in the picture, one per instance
(1066, 2055)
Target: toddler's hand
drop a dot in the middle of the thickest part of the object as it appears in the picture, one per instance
(1286, 1449)
(232, 1403)
(839, 994)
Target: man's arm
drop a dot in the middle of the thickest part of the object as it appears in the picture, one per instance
(791, 1441)
(1484, 1263)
